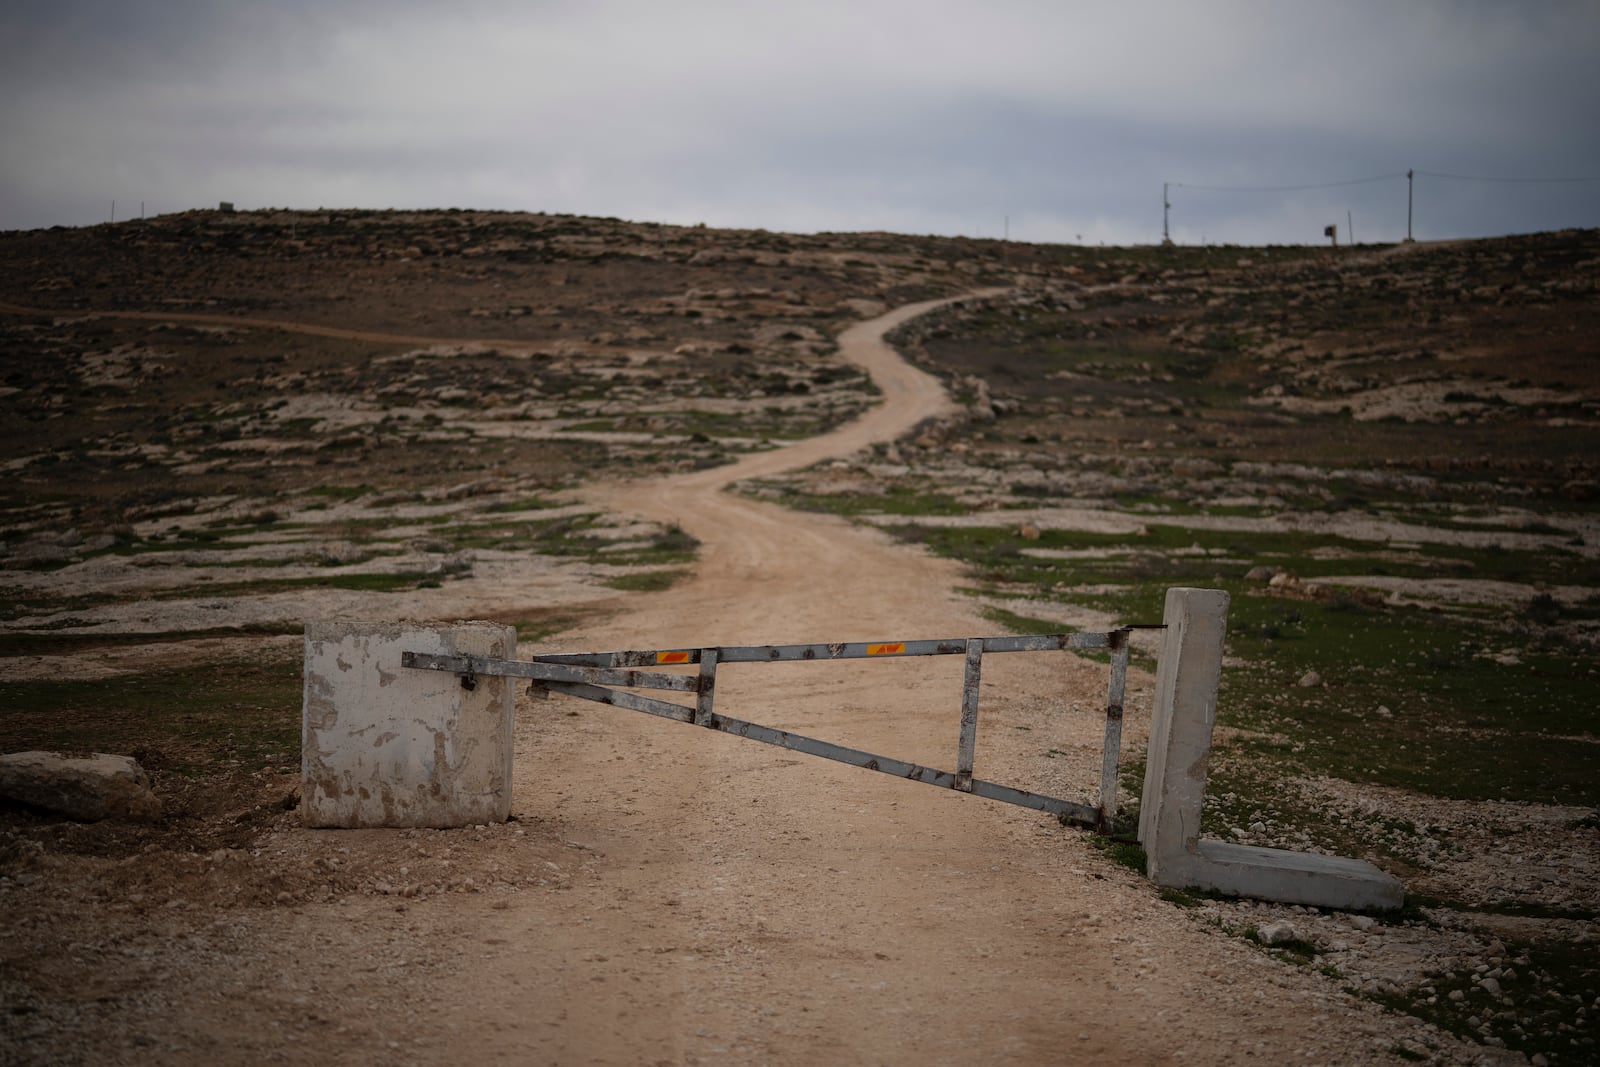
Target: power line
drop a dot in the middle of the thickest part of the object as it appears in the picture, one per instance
(1288, 188)
(1506, 181)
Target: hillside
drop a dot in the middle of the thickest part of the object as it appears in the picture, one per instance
(215, 426)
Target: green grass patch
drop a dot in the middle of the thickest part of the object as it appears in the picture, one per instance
(1459, 724)
(897, 500)
(1025, 624)
(646, 581)
(1125, 853)
(544, 625)
(57, 644)
(526, 503)
(197, 715)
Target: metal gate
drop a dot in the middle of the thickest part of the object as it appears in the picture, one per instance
(592, 676)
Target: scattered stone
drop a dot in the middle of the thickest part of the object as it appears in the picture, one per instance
(1310, 680)
(1028, 532)
(1276, 933)
(1363, 922)
(86, 788)
(1490, 986)
(1384, 712)
(1261, 575)
(1196, 467)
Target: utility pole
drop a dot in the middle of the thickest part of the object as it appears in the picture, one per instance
(1411, 188)
(1166, 215)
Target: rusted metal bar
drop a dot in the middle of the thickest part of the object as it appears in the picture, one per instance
(1110, 753)
(842, 650)
(543, 671)
(708, 686)
(616, 697)
(966, 751)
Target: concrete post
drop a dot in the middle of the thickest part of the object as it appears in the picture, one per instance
(1185, 709)
(1181, 720)
(383, 745)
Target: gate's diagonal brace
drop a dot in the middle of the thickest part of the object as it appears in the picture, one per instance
(1082, 814)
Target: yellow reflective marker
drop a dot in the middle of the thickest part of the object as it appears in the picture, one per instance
(893, 649)
(672, 657)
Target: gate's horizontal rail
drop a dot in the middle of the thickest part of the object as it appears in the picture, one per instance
(848, 650)
(542, 670)
(1079, 813)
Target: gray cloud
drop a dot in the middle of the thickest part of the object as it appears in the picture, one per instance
(927, 117)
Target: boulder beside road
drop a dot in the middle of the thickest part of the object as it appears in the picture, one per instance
(87, 788)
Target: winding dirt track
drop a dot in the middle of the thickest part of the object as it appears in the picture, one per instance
(753, 906)
(720, 901)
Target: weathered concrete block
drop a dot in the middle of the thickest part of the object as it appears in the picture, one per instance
(385, 745)
(1181, 720)
(87, 788)
(1290, 877)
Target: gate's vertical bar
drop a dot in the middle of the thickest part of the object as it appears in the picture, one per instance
(1111, 755)
(967, 751)
(708, 686)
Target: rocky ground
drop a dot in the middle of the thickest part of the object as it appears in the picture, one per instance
(217, 426)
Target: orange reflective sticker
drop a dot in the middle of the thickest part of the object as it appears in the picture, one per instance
(672, 657)
(886, 650)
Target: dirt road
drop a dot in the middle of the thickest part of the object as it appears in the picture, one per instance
(671, 895)
(750, 906)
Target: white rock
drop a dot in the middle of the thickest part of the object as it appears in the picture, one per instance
(1310, 680)
(1277, 933)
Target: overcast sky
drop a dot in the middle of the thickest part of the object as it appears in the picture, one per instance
(1053, 121)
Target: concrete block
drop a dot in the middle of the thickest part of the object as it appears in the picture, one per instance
(1291, 877)
(1181, 721)
(385, 745)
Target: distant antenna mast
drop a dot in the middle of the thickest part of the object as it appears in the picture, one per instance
(1411, 188)
(1166, 215)
(1350, 227)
